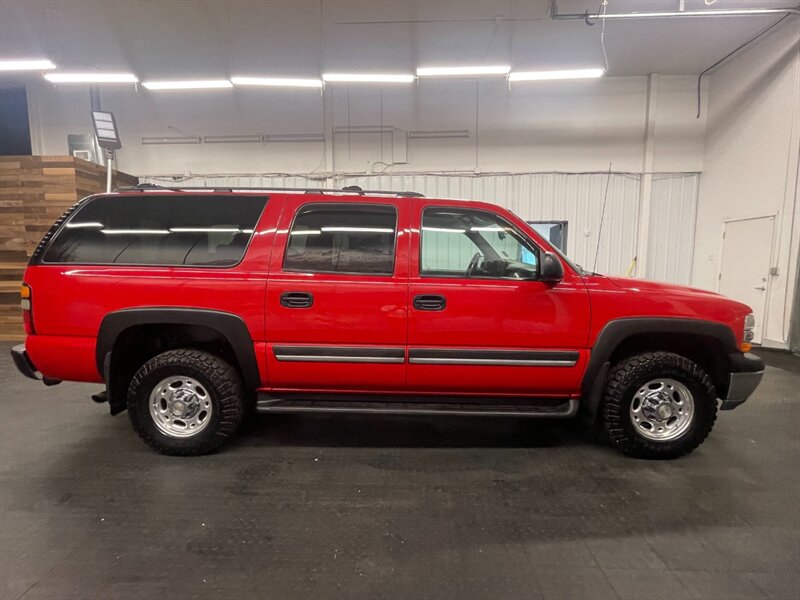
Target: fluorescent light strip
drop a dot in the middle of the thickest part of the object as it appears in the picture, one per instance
(553, 75)
(725, 12)
(91, 77)
(85, 224)
(357, 229)
(277, 82)
(205, 230)
(26, 64)
(197, 84)
(368, 78)
(135, 231)
(444, 230)
(463, 71)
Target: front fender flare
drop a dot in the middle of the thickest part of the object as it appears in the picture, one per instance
(616, 332)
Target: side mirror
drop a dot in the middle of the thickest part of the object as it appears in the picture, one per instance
(551, 268)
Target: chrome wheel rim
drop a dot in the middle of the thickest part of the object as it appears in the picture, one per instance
(180, 406)
(662, 410)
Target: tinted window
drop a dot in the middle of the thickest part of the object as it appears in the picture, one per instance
(342, 238)
(148, 229)
(471, 243)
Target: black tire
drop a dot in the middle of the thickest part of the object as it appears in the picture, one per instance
(627, 376)
(224, 390)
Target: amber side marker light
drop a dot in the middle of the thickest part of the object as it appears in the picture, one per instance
(749, 334)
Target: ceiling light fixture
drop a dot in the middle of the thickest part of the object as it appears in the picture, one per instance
(91, 77)
(367, 78)
(277, 82)
(723, 12)
(553, 75)
(197, 84)
(477, 70)
(27, 64)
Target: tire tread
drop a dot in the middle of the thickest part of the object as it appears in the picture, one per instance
(226, 385)
(618, 393)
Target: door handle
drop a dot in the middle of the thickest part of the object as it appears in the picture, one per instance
(297, 299)
(430, 302)
(763, 288)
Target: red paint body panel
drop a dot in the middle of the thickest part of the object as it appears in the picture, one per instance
(72, 300)
(69, 358)
(619, 298)
(363, 311)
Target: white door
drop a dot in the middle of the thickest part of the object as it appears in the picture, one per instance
(744, 274)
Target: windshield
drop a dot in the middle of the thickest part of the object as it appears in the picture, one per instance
(581, 271)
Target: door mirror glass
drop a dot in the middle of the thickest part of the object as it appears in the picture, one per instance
(552, 269)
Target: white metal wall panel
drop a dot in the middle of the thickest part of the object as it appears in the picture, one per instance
(670, 240)
(573, 197)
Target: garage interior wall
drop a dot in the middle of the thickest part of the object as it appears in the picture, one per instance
(553, 166)
(751, 167)
(542, 149)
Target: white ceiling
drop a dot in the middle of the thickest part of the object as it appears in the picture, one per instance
(210, 38)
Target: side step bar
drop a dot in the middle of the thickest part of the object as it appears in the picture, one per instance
(562, 410)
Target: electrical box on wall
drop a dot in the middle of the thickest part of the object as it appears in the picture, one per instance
(81, 146)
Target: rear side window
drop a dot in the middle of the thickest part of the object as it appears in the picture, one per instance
(152, 229)
(342, 238)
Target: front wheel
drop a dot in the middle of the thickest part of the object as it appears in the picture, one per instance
(186, 402)
(658, 405)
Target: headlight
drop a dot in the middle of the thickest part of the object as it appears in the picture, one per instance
(749, 325)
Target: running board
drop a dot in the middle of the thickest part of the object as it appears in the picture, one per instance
(562, 410)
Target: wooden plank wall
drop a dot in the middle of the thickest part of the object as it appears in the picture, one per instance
(34, 192)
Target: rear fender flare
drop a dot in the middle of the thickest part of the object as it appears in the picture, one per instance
(230, 326)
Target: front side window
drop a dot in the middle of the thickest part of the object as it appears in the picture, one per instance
(158, 229)
(342, 238)
(472, 243)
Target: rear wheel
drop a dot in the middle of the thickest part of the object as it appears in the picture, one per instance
(186, 402)
(658, 405)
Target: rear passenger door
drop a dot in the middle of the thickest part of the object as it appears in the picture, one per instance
(337, 295)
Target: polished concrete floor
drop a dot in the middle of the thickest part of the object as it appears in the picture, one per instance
(362, 507)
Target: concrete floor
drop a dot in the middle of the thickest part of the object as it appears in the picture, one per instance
(362, 507)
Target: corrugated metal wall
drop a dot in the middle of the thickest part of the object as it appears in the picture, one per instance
(573, 197)
(670, 240)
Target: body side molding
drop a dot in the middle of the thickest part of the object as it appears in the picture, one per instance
(343, 354)
(500, 357)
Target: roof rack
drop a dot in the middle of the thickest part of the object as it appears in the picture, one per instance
(350, 189)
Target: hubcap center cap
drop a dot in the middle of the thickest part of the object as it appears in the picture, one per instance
(664, 411)
(184, 404)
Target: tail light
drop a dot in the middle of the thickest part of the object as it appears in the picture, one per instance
(26, 299)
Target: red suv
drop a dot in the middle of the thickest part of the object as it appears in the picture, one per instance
(193, 306)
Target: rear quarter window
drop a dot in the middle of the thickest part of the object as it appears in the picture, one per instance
(155, 229)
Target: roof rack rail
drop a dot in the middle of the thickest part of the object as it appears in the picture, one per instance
(350, 189)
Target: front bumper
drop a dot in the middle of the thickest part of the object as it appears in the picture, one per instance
(25, 365)
(746, 373)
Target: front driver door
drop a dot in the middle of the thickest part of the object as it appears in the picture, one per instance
(480, 320)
